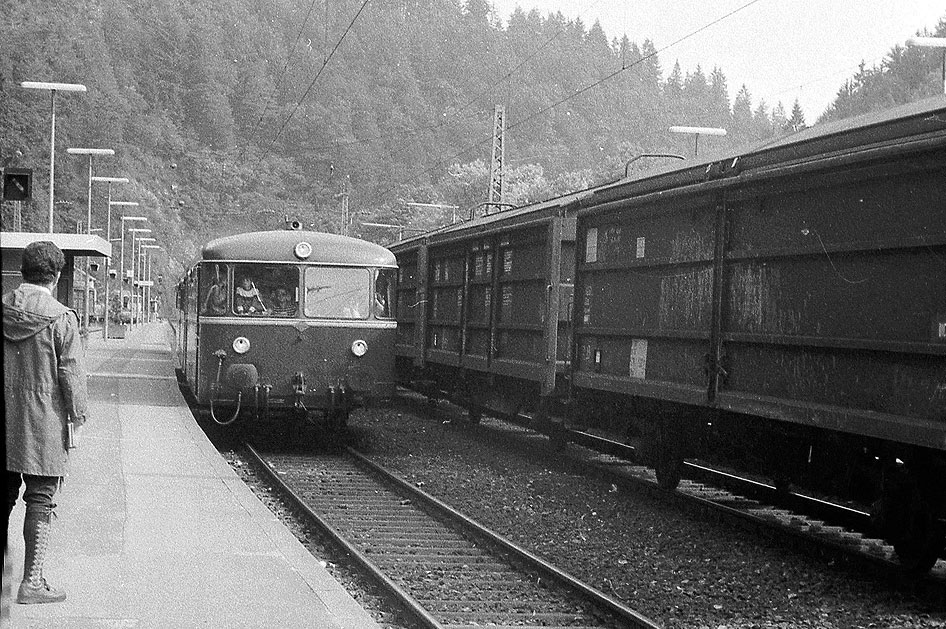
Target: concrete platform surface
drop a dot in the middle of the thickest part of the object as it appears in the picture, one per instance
(154, 529)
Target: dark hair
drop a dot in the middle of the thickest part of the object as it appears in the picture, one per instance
(42, 261)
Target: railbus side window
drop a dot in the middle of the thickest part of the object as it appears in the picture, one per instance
(384, 293)
(214, 290)
(337, 292)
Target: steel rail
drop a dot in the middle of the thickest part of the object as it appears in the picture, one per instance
(531, 560)
(825, 514)
(520, 556)
(404, 599)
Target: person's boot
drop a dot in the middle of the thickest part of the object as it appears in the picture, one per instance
(33, 588)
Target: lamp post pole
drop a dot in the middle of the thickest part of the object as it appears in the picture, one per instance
(134, 232)
(148, 286)
(88, 224)
(137, 275)
(53, 88)
(108, 237)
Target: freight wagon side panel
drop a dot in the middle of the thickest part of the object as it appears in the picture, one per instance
(523, 299)
(478, 339)
(835, 303)
(644, 291)
(445, 281)
(407, 344)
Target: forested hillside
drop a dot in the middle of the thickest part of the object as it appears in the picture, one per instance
(229, 114)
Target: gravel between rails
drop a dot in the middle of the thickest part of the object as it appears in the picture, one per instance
(354, 582)
(672, 566)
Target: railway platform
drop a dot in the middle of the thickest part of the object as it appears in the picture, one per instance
(155, 530)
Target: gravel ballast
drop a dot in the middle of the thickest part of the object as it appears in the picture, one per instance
(681, 570)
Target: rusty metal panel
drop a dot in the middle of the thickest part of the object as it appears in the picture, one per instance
(406, 308)
(478, 317)
(446, 278)
(644, 292)
(836, 299)
(523, 265)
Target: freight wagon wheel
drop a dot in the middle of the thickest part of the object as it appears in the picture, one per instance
(907, 520)
(783, 485)
(667, 453)
(669, 469)
(338, 420)
(474, 415)
(920, 544)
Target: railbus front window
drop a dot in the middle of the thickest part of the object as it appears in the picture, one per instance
(384, 293)
(265, 290)
(337, 292)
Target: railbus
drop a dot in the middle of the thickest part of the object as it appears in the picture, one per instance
(286, 326)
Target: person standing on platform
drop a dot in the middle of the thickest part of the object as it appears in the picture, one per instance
(44, 386)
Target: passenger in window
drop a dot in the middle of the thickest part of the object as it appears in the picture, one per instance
(382, 287)
(216, 300)
(283, 303)
(247, 300)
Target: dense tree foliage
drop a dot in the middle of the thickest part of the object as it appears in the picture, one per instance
(230, 114)
(905, 75)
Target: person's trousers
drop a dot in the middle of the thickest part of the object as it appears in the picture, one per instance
(38, 494)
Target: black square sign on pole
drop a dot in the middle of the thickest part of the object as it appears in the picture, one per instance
(17, 184)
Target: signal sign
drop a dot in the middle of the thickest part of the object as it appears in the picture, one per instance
(17, 184)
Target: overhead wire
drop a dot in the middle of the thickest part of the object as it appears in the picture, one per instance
(582, 90)
(474, 99)
(282, 73)
(318, 74)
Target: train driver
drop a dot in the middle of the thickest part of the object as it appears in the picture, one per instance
(247, 300)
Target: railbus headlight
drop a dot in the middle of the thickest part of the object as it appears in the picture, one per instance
(303, 250)
(359, 348)
(241, 345)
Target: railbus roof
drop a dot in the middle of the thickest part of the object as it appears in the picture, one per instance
(280, 246)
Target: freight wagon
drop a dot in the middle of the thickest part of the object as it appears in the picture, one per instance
(781, 309)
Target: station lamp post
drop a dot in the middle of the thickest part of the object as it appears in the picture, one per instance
(88, 221)
(108, 237)
(134, 231)
(136, 274)
(149, 283)
(696, 132)
(53, 88)
(931, 42)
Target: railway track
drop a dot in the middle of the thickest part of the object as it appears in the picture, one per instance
(442, 568)
(841, 528)
(805, 520)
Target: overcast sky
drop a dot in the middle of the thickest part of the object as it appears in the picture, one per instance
(781, 49)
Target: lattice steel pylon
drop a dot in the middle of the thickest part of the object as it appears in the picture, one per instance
(495, 198)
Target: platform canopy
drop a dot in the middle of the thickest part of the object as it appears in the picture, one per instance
(74, 244)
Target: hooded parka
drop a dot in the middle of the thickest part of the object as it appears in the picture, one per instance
(44, 381)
